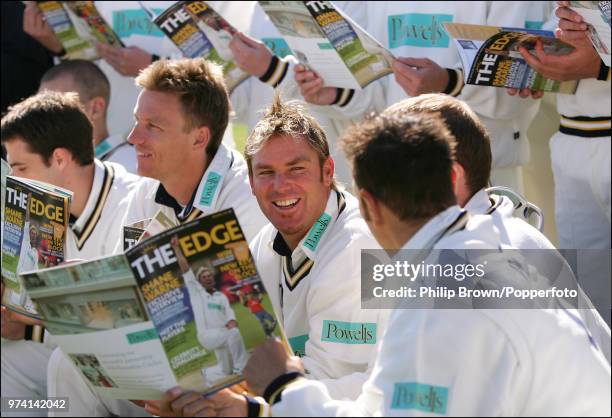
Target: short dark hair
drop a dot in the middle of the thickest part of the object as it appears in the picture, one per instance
(50, 120)
(473, 150)
(405, 161)
(201, 89)
(88, 77)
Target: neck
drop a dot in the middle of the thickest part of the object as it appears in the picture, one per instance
(100, 133)
(80, 182)
(184, 183)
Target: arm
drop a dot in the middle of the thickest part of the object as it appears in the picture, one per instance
(127, 61)
(180, 257)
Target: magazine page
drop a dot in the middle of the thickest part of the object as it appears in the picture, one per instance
(76, 43)
(198, 31)
(597, 16)
(78, 26)
(202, 291)
(6, 169)
(490, 56)
(96, 314)
(159, 223)
(343, 54)
(133, 232)
(33, 237)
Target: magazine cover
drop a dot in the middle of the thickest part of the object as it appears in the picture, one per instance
(597, 16)
(490, 56)
(329, 42)
(133, 232)
(78, 26)
(33, 236)
(199, 31)
(183, 308)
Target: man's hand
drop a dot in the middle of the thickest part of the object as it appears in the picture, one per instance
(126, 61)
(10, 328)
(582, 62)
(231, 324)
(419, 75)
(251, 55)
(572, 27)
(34, 24)
(525, 93)
(269, 361)
(312, 87)
(178, 403)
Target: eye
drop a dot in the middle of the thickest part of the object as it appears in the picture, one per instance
(298, 168)
(265, 173)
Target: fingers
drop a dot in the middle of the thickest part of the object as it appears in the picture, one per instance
(414, 62)
(570, 16)
(532, 61)
(512, 92)
(180, 403)
(253, 43)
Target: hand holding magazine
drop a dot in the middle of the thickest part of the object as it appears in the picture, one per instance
(490, 56)
(182, 308)
(596, 14)
(33, 235)
(330, 43)
(78, 26)
(199, 31)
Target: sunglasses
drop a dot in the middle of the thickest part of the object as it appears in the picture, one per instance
(530, 212)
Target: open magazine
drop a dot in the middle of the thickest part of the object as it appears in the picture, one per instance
(323, 38)
(490, 56)
(33, 235)
(182, 308)
(141, 230)
(597, 16)
(199, 31)
(78, 26)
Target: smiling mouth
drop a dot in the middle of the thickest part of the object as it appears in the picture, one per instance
(285, 204)
(143, 154)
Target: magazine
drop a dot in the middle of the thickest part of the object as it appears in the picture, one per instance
(597, 16)
(330, 43)
(78, 26)
(33, 235)
(169, 312)
(141, 230)
(133, 232)
(199, 31)
(490, 56)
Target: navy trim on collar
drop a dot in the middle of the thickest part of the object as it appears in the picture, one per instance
(164, 198)
(280, 246)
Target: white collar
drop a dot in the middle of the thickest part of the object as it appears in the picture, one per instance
(108, 145)
(100, 189)
(479, 204)
(207, 193)
(427, 236)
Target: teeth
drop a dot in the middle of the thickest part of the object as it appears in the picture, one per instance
(285, 203)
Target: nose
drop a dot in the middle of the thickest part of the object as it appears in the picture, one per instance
(135, 138)
(281, 183)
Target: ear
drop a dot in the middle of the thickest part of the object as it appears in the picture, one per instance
(202, 138)
(61, 158)
(97, 108)
(457, 173)
(371, 208)
(328, 171)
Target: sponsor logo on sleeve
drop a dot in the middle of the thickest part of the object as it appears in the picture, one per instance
(317, 231)
(298, 345)
(135, 22)
(349, 332)
(426, 398)
(210, 187)
(417, 29)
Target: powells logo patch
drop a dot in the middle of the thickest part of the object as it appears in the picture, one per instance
(349, 332)
(417, 29)
(317, 231)
(421, 397)
(212, 183)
